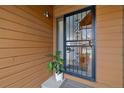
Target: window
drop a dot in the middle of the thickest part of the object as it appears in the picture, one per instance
(60, 35)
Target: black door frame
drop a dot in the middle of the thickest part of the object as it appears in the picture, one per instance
(92, 8)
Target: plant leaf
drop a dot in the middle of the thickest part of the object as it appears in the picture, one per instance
(50, 66)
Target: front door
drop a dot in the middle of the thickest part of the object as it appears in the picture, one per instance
(79, 43)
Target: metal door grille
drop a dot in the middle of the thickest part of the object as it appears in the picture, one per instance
(79, 43)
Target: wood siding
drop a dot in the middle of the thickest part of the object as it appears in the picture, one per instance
(109, 57)
(25, 40)
(109, 45)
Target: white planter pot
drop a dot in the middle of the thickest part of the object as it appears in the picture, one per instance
(59, 77)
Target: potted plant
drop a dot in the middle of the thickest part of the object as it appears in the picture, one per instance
(56, 65)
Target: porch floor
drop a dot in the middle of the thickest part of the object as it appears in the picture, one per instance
(72, 84)
(66, 83)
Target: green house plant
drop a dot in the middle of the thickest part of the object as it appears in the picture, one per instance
(56, 65)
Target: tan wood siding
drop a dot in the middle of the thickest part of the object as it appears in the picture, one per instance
(109, 45)
(109, 58)
(25, 41)
(60, 10)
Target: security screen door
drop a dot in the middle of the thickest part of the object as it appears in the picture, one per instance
(79, 43)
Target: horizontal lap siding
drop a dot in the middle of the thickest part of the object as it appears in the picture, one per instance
(109, 45)
(64, 9)
(25, 41)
